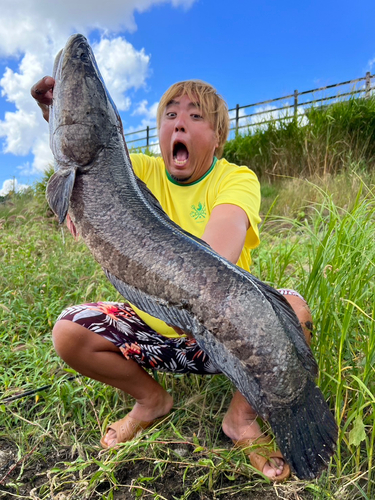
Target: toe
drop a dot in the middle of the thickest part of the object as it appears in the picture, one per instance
(110, 438)
(273, 468)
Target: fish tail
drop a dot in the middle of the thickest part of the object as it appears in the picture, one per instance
(306, 433)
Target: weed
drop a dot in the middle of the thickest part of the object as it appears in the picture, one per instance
(52, 437)
(324, 141)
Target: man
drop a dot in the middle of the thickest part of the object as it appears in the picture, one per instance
(212, 199)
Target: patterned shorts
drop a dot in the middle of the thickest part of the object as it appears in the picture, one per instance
(118, 323)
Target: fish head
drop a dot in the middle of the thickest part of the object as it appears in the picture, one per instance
(83, 120)
(83, 117)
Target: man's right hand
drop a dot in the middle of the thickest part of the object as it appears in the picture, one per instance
(42, 92)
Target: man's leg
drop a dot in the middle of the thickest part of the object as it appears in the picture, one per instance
(109, 342)
(98, 358)
(303, 313)
(240, 420)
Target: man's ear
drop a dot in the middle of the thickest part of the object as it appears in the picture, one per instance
(217, 141)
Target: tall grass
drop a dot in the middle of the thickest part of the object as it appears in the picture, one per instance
(330, 258)
(52, 437)
(322, 141)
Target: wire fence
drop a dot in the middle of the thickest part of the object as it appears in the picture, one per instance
(292, 106)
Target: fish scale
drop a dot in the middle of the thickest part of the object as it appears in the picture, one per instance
(246, 327)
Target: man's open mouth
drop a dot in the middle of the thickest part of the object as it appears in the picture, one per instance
(180, 154)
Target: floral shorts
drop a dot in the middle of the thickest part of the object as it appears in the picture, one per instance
(118, 323)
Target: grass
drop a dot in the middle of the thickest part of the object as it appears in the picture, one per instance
(320, 142)
(331, 258)
(319, 245)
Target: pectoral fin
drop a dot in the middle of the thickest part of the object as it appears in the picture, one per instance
(174, 315)
(59, 190)
(290, 323)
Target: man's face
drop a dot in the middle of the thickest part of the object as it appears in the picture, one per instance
(187, 140)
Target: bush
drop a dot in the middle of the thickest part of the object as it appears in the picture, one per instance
(322, 141)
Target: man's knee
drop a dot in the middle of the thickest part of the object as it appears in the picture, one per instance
(65, 337)
(303, 313)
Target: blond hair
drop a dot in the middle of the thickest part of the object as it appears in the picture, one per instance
(211, 103)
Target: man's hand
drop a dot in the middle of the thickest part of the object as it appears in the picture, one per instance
(42, 92)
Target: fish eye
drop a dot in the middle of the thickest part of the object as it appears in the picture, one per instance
(84, 57)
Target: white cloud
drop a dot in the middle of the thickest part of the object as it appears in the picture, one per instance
(43, 157)
(34, 30)
(19, 131)
(148, 112)
(122, 68)
(16, 86)
(37, 23)
(21, 128)
(12, 185)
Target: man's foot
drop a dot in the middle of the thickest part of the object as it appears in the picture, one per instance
(241, 426)
(141, 417)
(124, 430)
(262, 455)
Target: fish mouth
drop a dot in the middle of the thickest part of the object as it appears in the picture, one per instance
(180, 153)
(76, 49)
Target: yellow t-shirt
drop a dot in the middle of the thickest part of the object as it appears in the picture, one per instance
(190, 205)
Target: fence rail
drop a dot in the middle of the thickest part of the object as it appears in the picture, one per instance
(268, 112)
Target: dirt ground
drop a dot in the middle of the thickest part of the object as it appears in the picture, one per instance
(24, 479)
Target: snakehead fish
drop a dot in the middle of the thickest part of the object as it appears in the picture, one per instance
(247, 328)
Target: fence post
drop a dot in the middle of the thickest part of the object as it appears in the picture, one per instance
(237, 116)
(147, 135)
(295, 103)
(368, 84)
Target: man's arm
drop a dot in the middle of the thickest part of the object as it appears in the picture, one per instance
(225, 231)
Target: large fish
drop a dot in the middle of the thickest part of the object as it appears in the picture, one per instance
(247, 328)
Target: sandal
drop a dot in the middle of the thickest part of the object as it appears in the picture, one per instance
(127, 429)
(261, 455)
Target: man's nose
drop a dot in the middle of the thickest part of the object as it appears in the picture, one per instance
(180, 125)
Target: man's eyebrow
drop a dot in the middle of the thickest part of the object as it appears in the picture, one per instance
(173, 102)
(194, 105)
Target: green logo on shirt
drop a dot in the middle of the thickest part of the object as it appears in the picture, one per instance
(198, 213)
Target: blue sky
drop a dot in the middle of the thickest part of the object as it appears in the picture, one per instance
(249, 50)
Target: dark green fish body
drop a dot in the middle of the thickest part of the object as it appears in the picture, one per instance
(248, 330)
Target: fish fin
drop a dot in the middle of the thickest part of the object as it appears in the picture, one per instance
(232, 367)
(289, 321)
(306, 433)
(154, 202)
(59, 190)
(72, 228)
(56, 63)
(174, 315)
(292, 327)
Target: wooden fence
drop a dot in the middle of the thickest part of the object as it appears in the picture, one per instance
(281, 108)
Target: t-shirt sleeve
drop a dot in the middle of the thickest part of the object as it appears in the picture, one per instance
(139, 163)
(241, 187)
